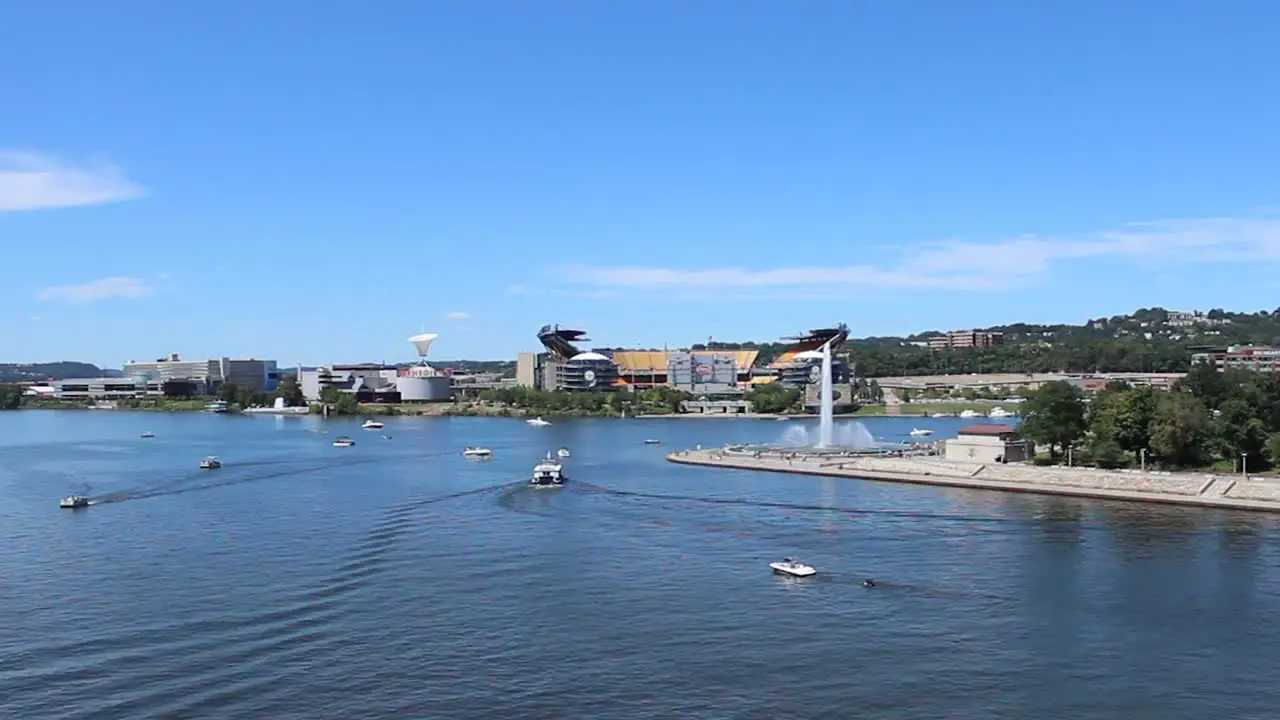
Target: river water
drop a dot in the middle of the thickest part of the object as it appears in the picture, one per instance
(396, 579)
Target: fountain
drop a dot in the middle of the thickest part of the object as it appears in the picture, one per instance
(826, 401)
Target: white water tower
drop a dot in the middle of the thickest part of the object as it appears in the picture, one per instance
(421, 383)
(423, 344)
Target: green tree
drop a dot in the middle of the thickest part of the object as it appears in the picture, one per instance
(291, 392)
(1272, 450)
(1180, 430)
(10, 397)
(228, 391)
(1055, 416)
(773, 398)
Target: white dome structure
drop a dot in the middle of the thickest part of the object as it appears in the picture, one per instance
(808, 355)
(423, 343)
(588, 357)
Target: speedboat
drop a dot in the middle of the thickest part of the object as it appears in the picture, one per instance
(792, 567)
(547, 473)
(477, 452)
(970, 414)
(210, 463)
(563, 452)
(148, 434)
(651, 441)
(537, 422)
(343, 441)
(917, 432)
(73, 501)
(372, 425)
(999, 412)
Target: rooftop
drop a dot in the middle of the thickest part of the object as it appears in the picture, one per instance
(989, 429)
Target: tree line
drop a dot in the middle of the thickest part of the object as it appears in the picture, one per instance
(1210, 419)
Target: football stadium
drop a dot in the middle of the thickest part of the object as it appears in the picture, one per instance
(566, 362)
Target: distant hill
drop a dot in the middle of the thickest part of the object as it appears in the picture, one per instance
(36, 372)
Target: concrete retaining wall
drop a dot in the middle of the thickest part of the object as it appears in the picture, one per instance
(1180, 488)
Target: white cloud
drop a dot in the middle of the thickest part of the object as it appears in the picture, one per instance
(457, 316)
(100, 289)
(30, 181)
(963, 265)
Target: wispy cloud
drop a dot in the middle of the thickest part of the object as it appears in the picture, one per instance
(31, 181)
(457, 315)
(100, 289)
(964, 265)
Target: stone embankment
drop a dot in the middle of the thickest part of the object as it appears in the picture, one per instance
(1254, 493)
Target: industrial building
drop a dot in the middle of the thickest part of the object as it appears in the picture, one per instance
(966, 339)
(1243, 357)
(204, 377)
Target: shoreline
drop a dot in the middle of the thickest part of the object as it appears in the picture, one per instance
(1190, 489)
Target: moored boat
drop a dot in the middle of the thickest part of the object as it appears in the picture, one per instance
(538, 422)
(343, 441)
(477, 452)
(372, 425)
(563, 452)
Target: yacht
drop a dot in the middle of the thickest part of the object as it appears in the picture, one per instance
(477, 452)
(74, 501)
(547, 473)
(210, 463)
(917, 432)
(563, 452)
(343, 441)
(148, 434)
(278, 408)
(538, 422)
(970, 414)
(372, 425)
(792, 567)
(999, 412)
(217, 406)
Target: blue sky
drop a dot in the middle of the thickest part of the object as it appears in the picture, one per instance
(319, 180)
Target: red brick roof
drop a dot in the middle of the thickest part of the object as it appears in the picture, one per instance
(988, 429)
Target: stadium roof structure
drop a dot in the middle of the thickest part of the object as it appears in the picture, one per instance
(559, 341)
(812, 341)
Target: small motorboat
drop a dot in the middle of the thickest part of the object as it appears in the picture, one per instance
(477, 452)
(210, 463)
(651, 441)
(343, 441)
(372, 425)
(999, 412)
(917, 432)
(73, 502)
(563, 452)
(547, 473)
(537, 422)
(148, 434)
(792, 567)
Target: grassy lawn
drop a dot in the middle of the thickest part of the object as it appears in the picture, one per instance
(932, 408)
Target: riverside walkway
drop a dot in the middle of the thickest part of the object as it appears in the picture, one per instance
(1205, 490)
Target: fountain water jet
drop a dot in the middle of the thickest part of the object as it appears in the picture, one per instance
(826, 401)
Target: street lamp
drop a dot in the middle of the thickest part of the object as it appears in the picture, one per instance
(1244, 465)
(1143, 453)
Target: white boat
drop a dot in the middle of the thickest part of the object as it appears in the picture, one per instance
(148, 434)
(970, 414)
(73, 501)
(547, 473)
(372, 425)
(210, 463)
(792, 567)
(563, 452)
(917, 432)
(217, 406)
(538, 422)
(999, 412)
(278, 408)
(343, 441)
(481, 452)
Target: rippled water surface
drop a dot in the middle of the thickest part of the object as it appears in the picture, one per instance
(396, 579)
